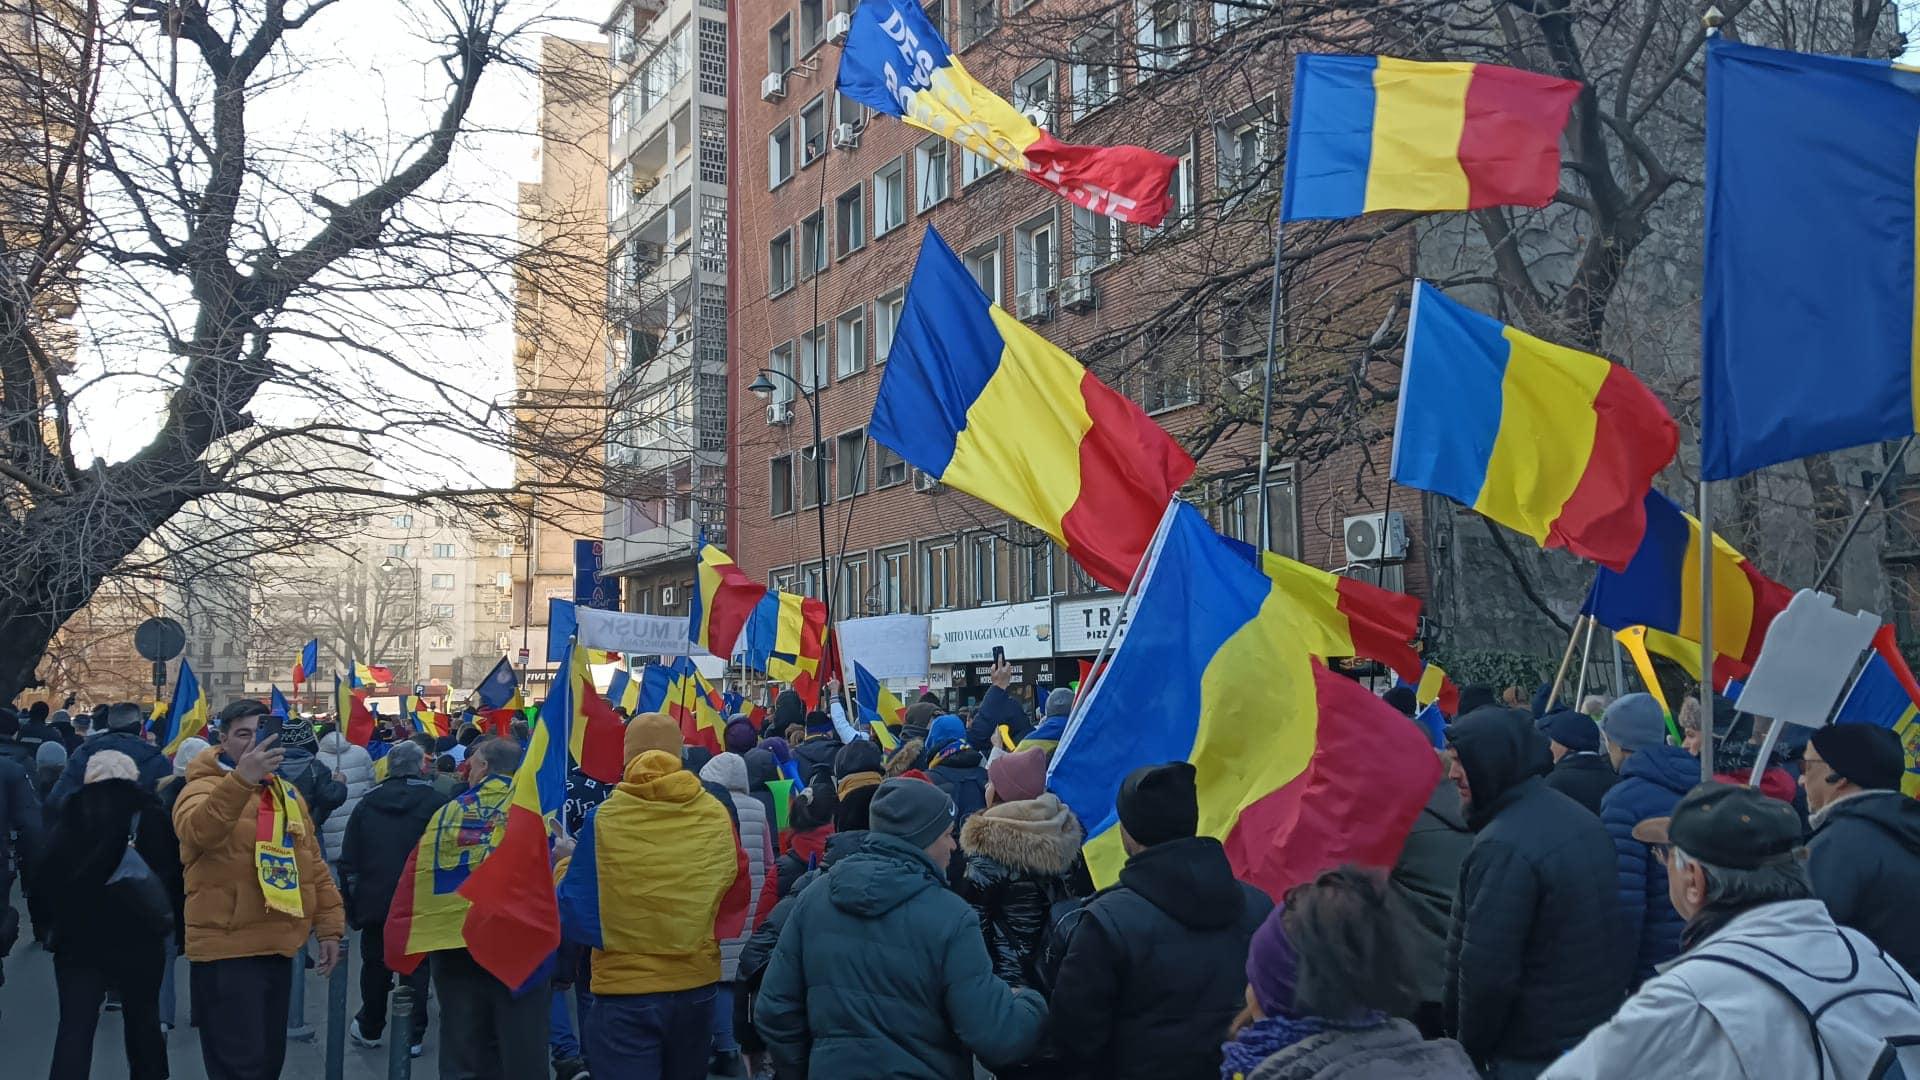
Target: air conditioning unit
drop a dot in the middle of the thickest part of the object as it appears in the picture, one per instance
(780, 412)
(1034, 305)
(1037, 116)
(925, 481)
(1376, 537)
(846, 136)
(1076, 292)
(838, 26)
(668, 595)
(774, 86)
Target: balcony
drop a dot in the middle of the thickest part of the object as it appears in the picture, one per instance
(661, 543)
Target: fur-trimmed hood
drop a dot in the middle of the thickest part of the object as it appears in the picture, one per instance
(1037, 835)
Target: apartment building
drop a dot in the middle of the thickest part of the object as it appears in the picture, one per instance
(667, 289)
(832, 206)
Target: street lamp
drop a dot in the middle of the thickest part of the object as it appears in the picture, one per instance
(764, 385)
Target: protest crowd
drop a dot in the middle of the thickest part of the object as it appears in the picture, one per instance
(832, 899)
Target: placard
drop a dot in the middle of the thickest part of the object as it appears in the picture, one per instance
(888, 646)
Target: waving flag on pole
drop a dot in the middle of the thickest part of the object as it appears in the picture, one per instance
(977, 400)
(594, 734)
(1298, 769)
(896, 63)
(1377, 133)
(1886, 694)
(500, 689)
(878, 706)
(187, 716)
(724, 601)
(1342, 616)
(1551, 442)
(350, 713)
(623, 690)
(277, 704)
(308, 665)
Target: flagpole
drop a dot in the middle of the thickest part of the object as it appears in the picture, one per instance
(1566, 658)
(1711, 19)
(1860, 515)
(1586, 654)
(1276, 308)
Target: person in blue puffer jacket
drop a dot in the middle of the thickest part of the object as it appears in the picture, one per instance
(1653, 778)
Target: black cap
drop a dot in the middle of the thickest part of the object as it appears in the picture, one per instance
(1158, 803)
(1866, 754)
(1728, 825)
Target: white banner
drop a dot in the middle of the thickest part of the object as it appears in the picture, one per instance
(626, 632)
(963, 637)
(888, 646)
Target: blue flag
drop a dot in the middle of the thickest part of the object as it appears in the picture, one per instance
(1808, 315)
(278, 705)
(563, 625)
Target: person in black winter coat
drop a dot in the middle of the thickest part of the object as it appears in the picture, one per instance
(762, 770)
(324, 791)
(956, 768)
(787, 711)
(1580, 771)
(1154, 969)
(1864, 857)
(12, 746)
(383, 830)
(124, 722)
(1427, 878)
(35, 728)
(1532, 956)
(19, 832)
(821, 745)
(99, 941)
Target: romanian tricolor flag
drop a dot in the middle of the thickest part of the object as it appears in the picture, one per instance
(425, 720)
(696, 706)
(1660, 588)
(594, 734)
(370, 675)
(1341, 616)
(724, 600)
(623, 691)
(308, 665)
(428, 913)
(782, 634)
(977, 400)
(513, 926)
(1298, 769)
(1434, 688)
(187, 716)
(1555, 443)
(895, 62)
(1377, 133)
(500, 689)
(350, 713)
(1886, 694)
(878, 706)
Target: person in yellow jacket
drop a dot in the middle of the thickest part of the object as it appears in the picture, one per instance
(643, 886)
(257, 887)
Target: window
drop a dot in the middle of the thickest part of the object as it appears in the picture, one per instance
(780, 154)
(1243, 337)
(936, 577)
(984, 264)
(930, 169)
(442, 581)
(1241, 145)
(442, 611)
(1240, 512)
(441, 640)
(1036, 263)
(780, 263)
(403, 521)
(974, 166)
(1096, 240)
(813, 25)
(503, 580)
(443, 551)
(1033, 94)
(852, 460)
(850, 590)
(780, 47)
(781, 360)
(505, 610)
(1169, 380)
(983, 569)
(892, 580)
(1230, 12)
(978, 18)
(813, 244)
(396, 551)
(813, 358)
(886, 322)
(848, 111)
(890, 197)
(1163, 33)
(780, 485)
(1096, 74)
(850, 343)
(1180, 194)
(1038, 570)
(892, 467)
(811, 465)
(813, 130)
(503, 551)
(936, 14)
(849, 222)
(813, 580)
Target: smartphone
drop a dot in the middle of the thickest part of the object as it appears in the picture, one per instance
(999, 654)
(269, 725)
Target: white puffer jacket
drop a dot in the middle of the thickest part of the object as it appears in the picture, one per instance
(756, 836)
(356, 766)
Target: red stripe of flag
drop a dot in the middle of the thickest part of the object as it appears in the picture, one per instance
(732, 605)
(602, 748)
(1126, 182)
(1383, 624)
(1129, 468)
(399, 925)
(1634, 438)
(514, 923)
(1510, 143)
(1770, 598)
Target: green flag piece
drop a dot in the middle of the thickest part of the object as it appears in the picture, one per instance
(782, 796)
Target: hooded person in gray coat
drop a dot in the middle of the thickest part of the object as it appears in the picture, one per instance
(881, 973)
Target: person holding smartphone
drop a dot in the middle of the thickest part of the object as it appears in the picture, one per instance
(251, 902)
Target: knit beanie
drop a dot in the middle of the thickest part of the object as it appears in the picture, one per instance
(913, 810)
(1573, 730)
(740, 736)
(1060, 702)
(1158, 803)
(858, 756)
(819, 723)
(111, 765)
(53, 752)
(946, 731)
(1635, 721)
(1272, 965)
(919, 719)
(1866, 754)
(650, 731)
(297, 733)
(1019, 775)
(1402, 699)
(189, 749)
